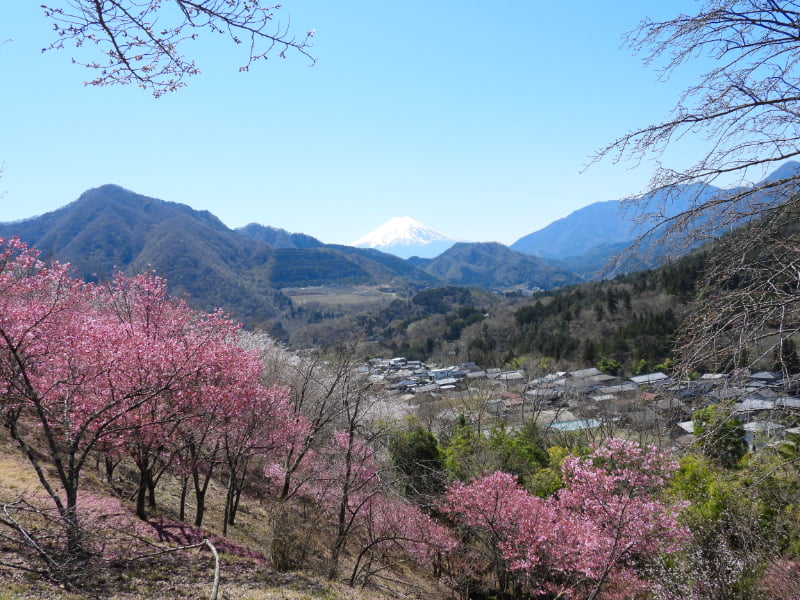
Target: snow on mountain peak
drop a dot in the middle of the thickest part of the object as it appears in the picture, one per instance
(404, 236)
(401, 231)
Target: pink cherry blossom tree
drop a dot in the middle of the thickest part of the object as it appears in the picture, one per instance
(320, 388)
(393, 530)
(351, 488)
(85, 367)
(255, 427)
(586, 541)
(58, 360)
(356, 495)
(194, 352)
(197, 455)
(488, 511)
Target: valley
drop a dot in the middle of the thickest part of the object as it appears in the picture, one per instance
(582, 384)
(409, 392)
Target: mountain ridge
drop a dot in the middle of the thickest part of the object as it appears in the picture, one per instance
(591, 236)
(492, 265)
(109, 228)
(242, 271)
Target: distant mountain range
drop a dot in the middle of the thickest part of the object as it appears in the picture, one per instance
(110, 228)
(584, 242)
(587, 239)
(406, 237)
(242, 271)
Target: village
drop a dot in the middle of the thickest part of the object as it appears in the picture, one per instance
(652, 406)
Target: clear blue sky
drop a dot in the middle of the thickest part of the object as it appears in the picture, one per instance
(475, 118)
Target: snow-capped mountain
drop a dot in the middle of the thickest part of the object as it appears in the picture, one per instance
(406, 237)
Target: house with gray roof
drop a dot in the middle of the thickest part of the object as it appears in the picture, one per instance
(650, 379)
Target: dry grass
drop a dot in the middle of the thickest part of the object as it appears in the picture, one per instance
(16, 476)
(324, 296)
(188, 574)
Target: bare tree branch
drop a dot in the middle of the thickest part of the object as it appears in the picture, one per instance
(141, 40)
(745, 108)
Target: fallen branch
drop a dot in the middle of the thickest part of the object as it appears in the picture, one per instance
(205, 542)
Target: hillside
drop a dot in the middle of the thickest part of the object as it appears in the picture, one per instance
(494, 266)
(154, 566)
(278, 238)
(591, 235)
(630, 320)
(587, 239)
(242, 271)
(110, 228)
(579, 232)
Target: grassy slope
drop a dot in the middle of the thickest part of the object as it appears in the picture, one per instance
(245, 574)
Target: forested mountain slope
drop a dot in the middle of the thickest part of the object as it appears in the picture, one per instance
(494, 266)
(626, 320)
(110, 228)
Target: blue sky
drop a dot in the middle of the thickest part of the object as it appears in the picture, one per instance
(475, 118)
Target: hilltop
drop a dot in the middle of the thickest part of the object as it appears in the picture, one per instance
(110, 228)
(245, 271)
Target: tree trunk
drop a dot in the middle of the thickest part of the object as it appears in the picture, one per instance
(333, 562)
(228, 504)
(141, 492)
(237, 496)
(184, 491)
(200, 510)
(75, 549)
(141, 495)
(111, 464)
(151, 489)
(287, 482)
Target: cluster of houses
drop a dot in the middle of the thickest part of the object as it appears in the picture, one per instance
(415, 377)
(764, 402)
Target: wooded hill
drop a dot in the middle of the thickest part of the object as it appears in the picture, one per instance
(630, 320)
(110, 228)
(242, 271)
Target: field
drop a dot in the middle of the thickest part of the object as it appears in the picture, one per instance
(340, 296)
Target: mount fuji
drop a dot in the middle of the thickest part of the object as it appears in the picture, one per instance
(405, 237)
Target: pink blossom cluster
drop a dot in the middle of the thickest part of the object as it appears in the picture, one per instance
(346, 481)
(592, 534)
(123, 369)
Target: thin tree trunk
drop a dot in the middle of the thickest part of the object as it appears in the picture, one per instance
(111, 464)
(151, 489)
(75, 549)
(141, 492)
(228, 505)
(184, 491)
(141, 496)
(333, 564)
(237, 496)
